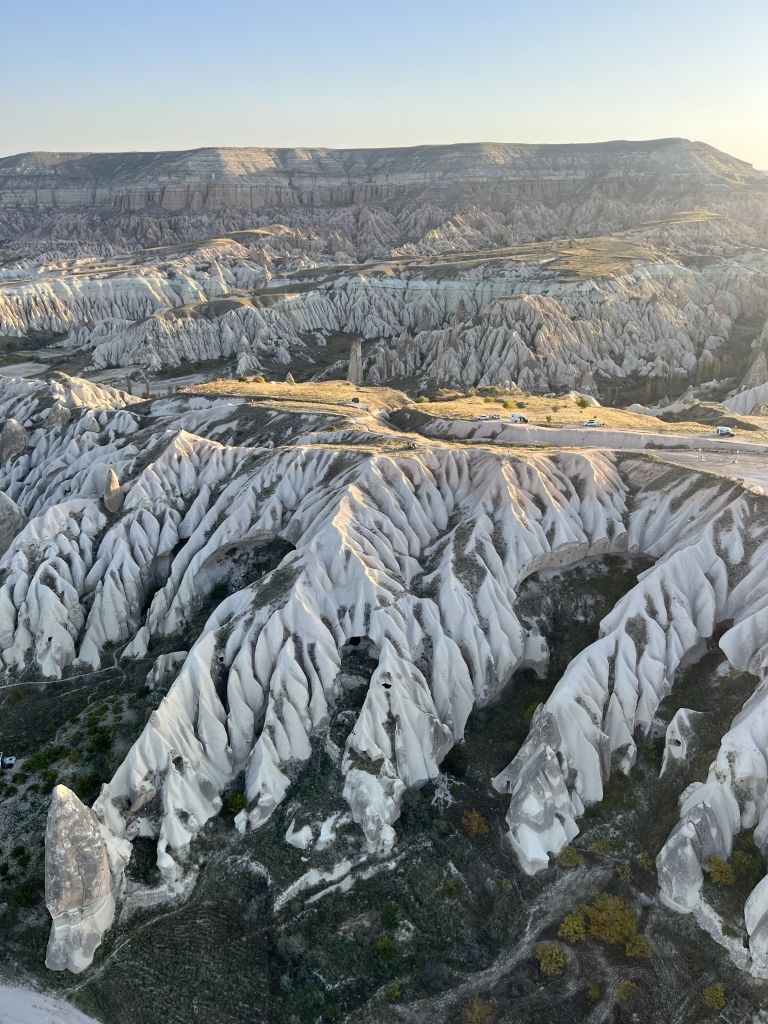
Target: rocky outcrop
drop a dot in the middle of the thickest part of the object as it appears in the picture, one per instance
(355, 371)
(12, 519)
(13, 439)
(78, 883)
(677, 741)
(113, 493)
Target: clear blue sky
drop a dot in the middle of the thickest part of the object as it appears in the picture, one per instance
(87, 75)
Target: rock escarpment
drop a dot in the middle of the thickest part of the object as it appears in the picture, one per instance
(367, 200)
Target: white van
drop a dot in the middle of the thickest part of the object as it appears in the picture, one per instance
(724, 432)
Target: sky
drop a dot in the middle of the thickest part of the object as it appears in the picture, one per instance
(81, 75)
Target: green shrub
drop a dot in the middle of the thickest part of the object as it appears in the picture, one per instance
(720, 871)
(488, 400)
(389, 916)
(259, 379)
(593, 992)
(645, 861)
(748, 867)
(624, 871)
(582, 403)
(552, 959)
(393, 993)
(474, 824)
(385, 949)
(638, 948)
(422, 399)
(625, 990)
(713, 997)
(570, 858)
(530, 711)
(610, 920)
(601, 846)
(236, 803)
(479, 1011)
(451, 888)
(728, 932)
(573, 928)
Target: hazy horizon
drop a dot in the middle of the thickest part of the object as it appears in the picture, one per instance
(342, 77)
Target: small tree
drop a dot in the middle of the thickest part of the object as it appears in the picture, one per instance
(720, 871)
(235, 804)
(625, 990)
(573, 928)
(385, 949)
(610, 920)
(552, 959)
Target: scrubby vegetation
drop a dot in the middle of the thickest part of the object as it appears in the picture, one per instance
(551, 958)
(713, 997)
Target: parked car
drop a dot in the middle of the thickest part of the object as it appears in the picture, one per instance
(517, 417)
(479, 418)
(7, 760)
(592, 423)
(724, 432)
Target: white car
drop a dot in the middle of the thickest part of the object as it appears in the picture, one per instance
(724, 432)
(592, 423)
(9, 761)
(517, 417)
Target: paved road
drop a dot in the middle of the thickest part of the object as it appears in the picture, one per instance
(738, 465)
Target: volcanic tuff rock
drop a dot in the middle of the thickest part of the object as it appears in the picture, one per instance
(418, 549)
(271, 275)
(151, 194)
(11, 521)
(78, 883)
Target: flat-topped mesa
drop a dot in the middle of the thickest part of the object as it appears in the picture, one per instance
(219, 177)
(401, 195)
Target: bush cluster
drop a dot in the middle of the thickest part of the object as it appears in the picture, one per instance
(608, 919)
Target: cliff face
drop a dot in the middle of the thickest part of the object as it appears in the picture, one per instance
(200, 182)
